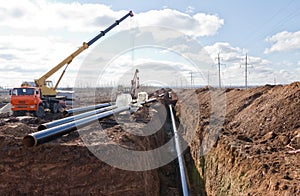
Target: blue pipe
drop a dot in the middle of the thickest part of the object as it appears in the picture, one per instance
(72, 118)
(179, 155)
(85, 109)
(46, 135)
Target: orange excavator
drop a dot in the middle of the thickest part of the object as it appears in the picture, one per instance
(35, 97)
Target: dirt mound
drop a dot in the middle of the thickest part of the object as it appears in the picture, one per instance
(256, 150)
(65, 166)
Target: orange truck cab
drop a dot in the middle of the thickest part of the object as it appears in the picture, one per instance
(25, 99)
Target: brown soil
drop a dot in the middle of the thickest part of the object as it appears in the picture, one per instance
(251, 156)
(65, 166)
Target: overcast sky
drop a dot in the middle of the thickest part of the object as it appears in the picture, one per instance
(37, 35)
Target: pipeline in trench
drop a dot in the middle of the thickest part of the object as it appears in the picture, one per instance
(170, 175)
(171, 179)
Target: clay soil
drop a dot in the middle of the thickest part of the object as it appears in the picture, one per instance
(255, 153)
(65, 166)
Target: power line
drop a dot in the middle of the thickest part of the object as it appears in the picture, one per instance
(262, 31)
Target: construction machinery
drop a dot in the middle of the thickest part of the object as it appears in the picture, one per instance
(134, 84)
(41, 95)
(127, 95)
(131, 90)
(142, 97)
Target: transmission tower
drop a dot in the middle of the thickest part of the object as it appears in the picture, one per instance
(219, 69)
(246, 70)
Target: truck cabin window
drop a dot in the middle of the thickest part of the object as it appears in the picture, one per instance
(23, 91)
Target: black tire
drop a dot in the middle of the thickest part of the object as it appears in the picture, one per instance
(18, 113)
(40, 112)
(54, 108)
(60, 108)
(57, 108)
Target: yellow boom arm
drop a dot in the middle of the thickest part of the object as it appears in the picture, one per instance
(51, 91)
(41, 82)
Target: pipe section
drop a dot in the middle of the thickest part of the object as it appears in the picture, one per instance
(178, 151)
(148, 101)
(85, 109)
(73, 118)
(46, 135)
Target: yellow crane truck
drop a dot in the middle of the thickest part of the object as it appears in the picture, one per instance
(40, 95)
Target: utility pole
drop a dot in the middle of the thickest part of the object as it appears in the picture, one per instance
(191, 79)
(246, 71)
(219, 66)
(219, 69)
(207, 78)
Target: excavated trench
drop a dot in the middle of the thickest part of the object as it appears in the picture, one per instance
(65, 166)
(170, 181)
(256, 151)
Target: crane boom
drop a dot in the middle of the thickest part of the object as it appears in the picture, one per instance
(51, 91)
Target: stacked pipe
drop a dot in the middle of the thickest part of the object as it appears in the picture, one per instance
(85, 109)
(73, 118)
(87, 115)
(56, 130)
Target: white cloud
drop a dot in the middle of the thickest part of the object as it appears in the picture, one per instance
(43, 15)
(190, 10)
(38, 34)
(226, 51)
(284, 41)
(260, 71)
(233, 55)
(77, 17)
(197, 25)
(24, 58)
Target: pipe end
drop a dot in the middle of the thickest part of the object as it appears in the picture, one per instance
(41, 127)
(29, 141)
(66, 112)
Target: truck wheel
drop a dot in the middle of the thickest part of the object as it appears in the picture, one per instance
(60, 108)
(54, 108)
(40, 112)
(18, 113)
